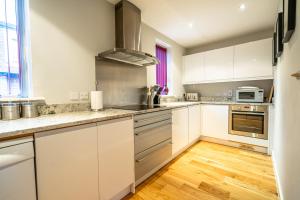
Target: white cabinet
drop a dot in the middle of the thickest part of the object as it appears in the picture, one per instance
(80, 162)
(253, 60)
(214, 121)
(194, 123)
(17, 174)
(116, 158)
(249, 61)
(193, 68)
(180, 129)
(67, 163)
(219, 64)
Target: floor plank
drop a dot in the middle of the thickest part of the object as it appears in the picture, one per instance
(211, 171)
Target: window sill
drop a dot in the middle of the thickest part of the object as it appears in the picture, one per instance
(15, 99)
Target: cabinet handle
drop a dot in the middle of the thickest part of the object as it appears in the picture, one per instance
(7, 160)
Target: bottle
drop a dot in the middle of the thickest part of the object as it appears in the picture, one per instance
(165, 90)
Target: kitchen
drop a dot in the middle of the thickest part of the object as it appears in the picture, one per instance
(106, 99)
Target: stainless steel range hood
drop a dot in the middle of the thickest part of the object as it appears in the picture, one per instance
(128, 37)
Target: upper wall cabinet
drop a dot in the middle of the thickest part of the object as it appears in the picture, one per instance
(193, 68)
(219, 64)
(249, 61)
(253, 60)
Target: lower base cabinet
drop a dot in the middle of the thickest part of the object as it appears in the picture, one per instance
(194, 123)
(92, 162)
(116, 158)
(67, 163)
(214, 121)
(180, 129)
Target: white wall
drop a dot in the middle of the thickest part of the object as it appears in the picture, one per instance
(66, 36)
(150, 37)
(287, 118)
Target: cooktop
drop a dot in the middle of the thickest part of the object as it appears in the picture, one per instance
(139, 107)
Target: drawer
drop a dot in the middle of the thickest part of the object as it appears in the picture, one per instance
(146, 161)
(146, 121)
(148, 136)
(148, 118)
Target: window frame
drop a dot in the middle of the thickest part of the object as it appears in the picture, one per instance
(162, 74)
(21, 28)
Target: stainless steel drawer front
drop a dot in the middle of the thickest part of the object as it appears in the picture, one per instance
(152, 115)
(152, 136)
(143, 129)
(152, 158)
(152, 141)
(151, 120)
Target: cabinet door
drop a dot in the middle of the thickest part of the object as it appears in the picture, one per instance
(180, 129)
(194, 123)
(116, 157)
(253, 60)
(214, 121)
(193, 68)
(219, 64)
(67, 164)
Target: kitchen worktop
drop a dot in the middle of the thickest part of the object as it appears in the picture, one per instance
(26, 127)
(233, 102)
(188, 103)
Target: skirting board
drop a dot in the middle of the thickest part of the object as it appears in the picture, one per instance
(124, 192)
(277, 180)
(175, 155)
(244, 146)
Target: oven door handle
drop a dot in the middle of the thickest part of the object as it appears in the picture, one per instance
(248, 113)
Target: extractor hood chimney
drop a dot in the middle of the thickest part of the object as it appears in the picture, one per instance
(128, 37)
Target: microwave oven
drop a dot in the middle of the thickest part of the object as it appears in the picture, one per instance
(250, 95)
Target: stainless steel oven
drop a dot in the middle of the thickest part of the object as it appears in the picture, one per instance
(249, 121)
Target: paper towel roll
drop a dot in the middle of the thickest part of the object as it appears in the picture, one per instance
(96, 100)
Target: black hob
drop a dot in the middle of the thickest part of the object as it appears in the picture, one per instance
(139, 107)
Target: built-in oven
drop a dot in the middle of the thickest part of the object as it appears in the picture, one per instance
(249, 121)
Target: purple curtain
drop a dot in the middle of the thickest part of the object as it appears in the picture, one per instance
(161, 68)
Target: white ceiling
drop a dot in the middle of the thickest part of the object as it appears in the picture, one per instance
(197, 22)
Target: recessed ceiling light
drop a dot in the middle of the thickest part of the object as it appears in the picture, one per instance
(242, 7)
(191, 25)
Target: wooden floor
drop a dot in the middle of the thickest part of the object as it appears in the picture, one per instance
(212, 172)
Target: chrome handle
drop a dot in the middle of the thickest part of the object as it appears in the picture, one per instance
(248, 113)
(157, 147)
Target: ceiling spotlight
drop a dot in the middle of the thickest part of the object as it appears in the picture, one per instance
(242, 7)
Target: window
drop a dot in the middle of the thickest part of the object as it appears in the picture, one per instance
(13, 47)
(161, 68)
